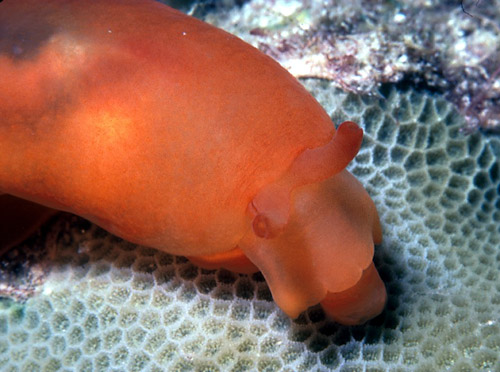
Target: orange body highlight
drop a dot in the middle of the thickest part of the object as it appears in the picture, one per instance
(174, 134)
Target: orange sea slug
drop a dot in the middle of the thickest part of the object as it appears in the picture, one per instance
(176, 135)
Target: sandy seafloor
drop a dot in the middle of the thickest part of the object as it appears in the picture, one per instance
(421, 79)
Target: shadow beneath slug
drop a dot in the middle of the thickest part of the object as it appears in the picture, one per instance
(23, 266)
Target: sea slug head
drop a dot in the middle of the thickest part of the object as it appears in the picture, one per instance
(313, 234)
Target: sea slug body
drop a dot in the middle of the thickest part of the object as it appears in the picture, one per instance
(173, 134)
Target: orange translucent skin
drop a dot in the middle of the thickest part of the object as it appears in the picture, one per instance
(177, 135)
